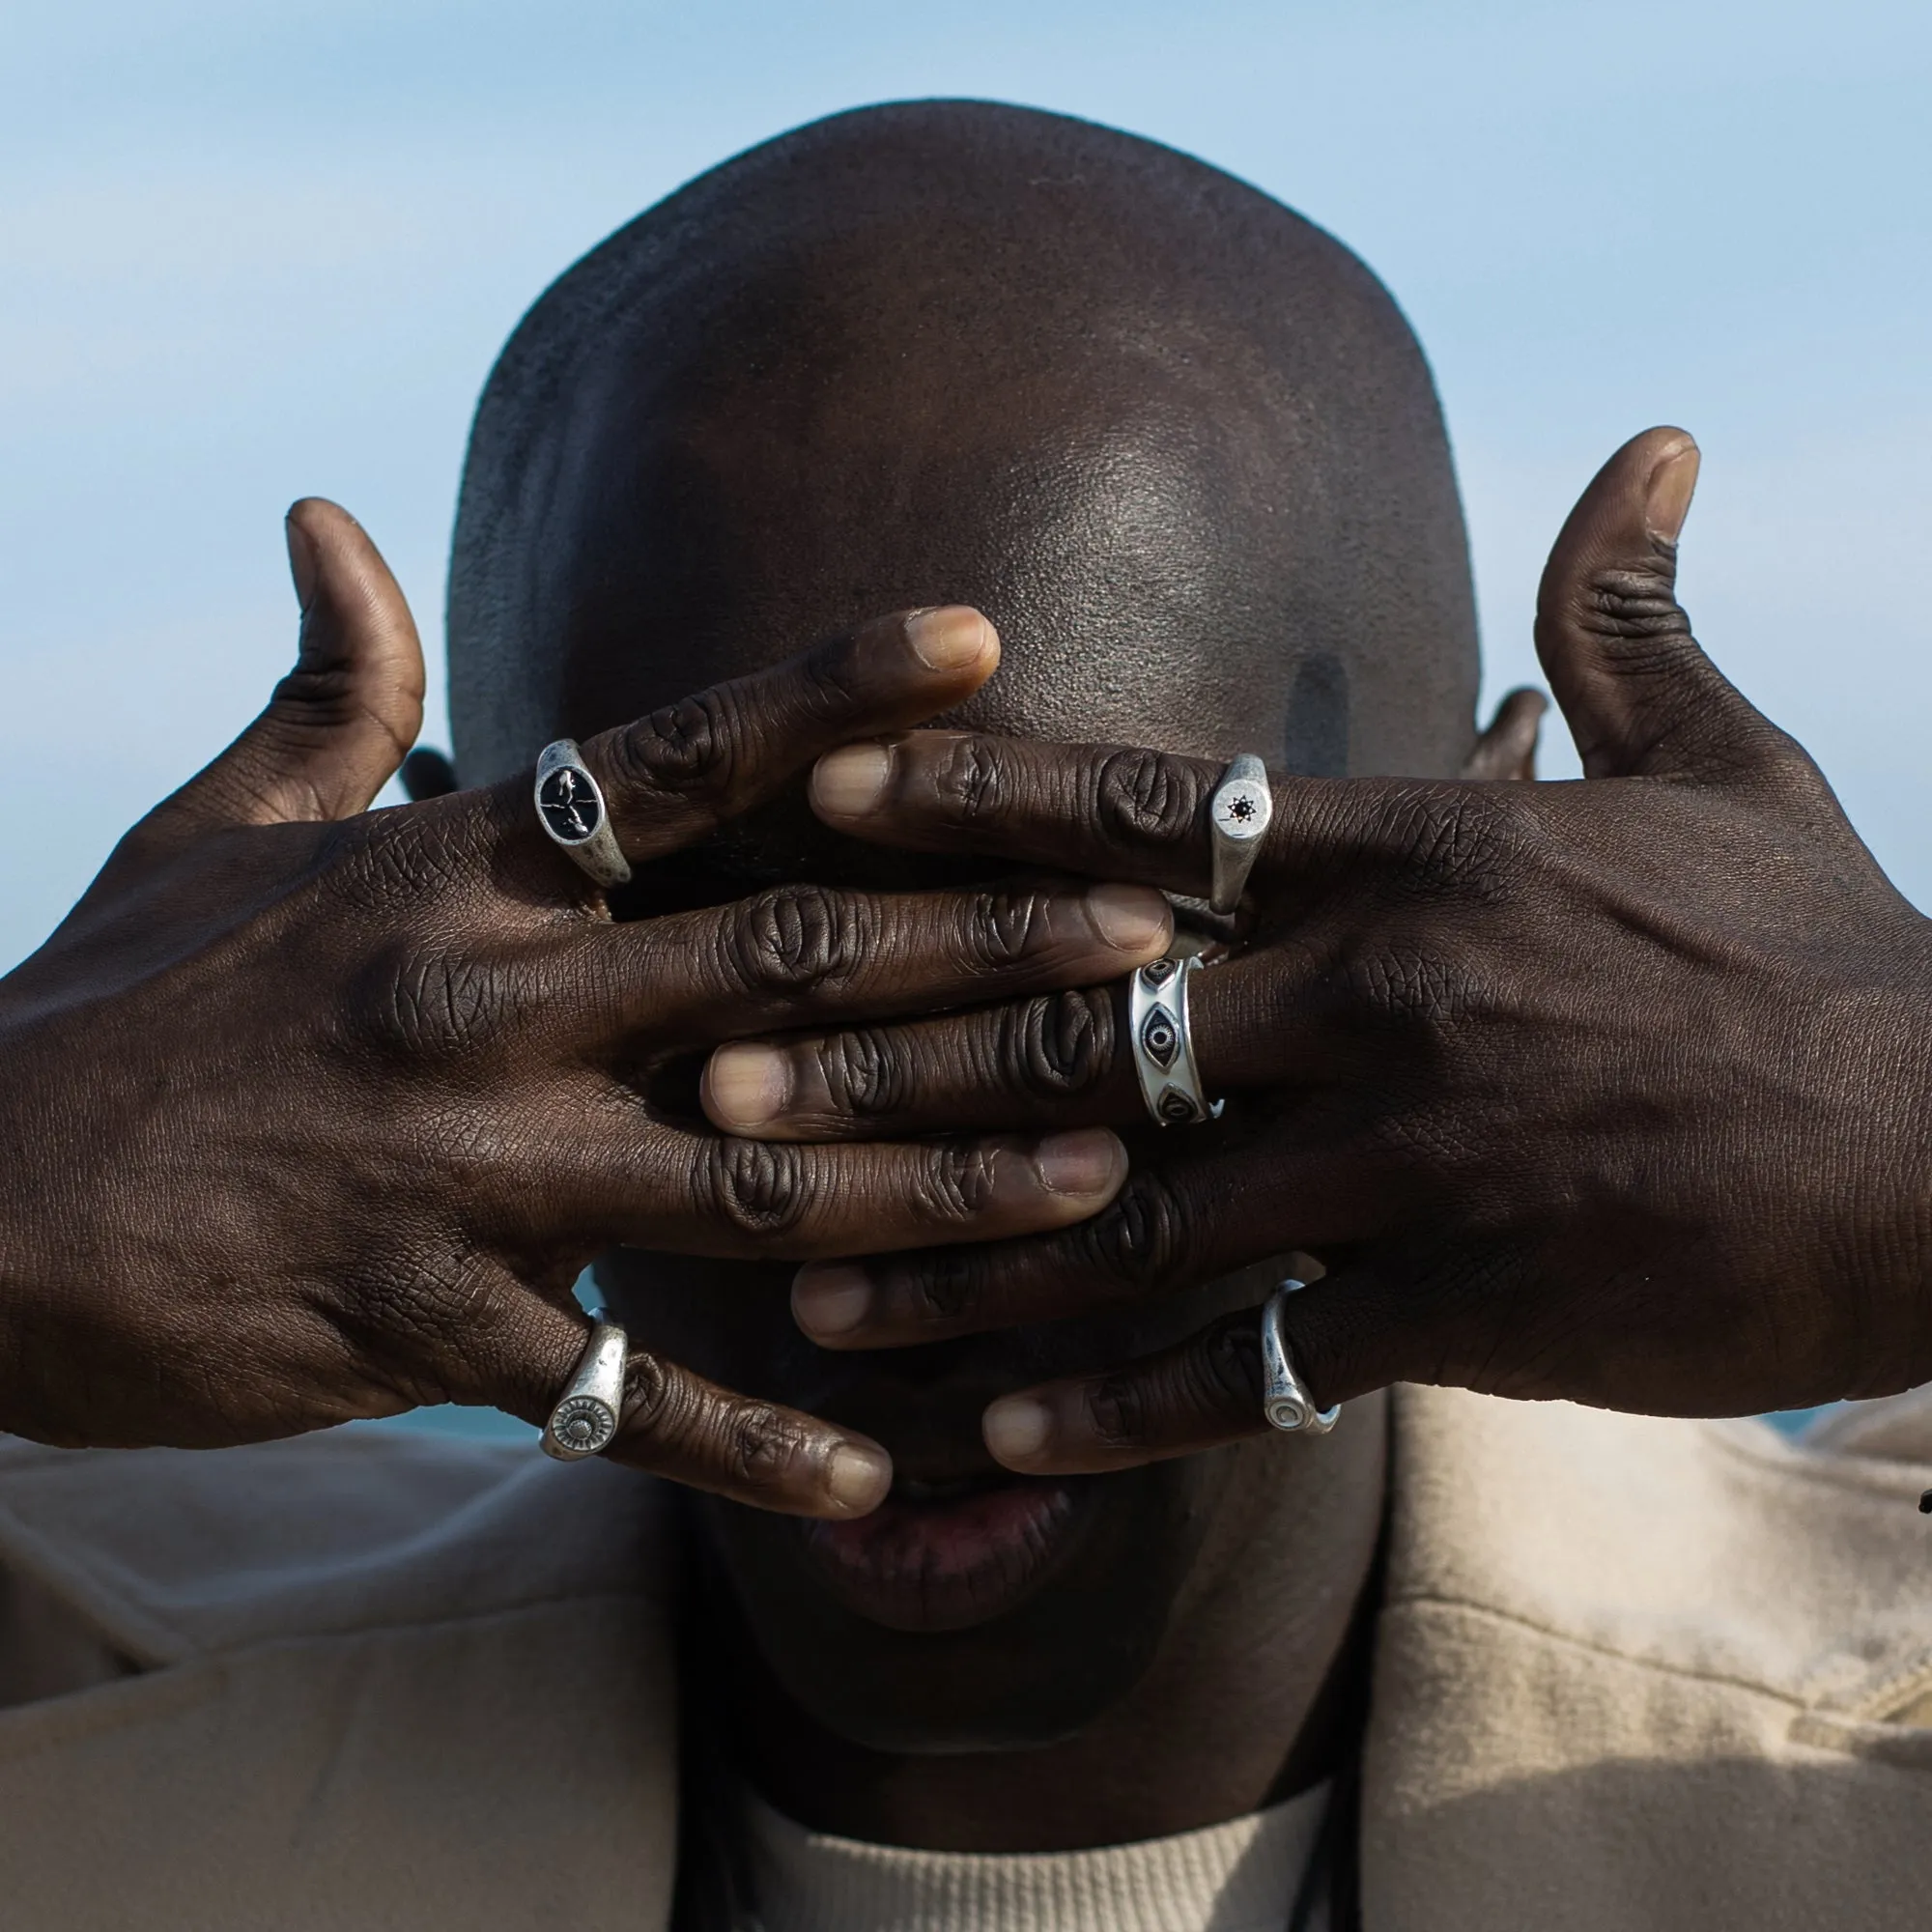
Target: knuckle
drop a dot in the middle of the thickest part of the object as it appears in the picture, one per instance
(953, 1181)
(1417, 990)
(968, 781)
(1001, 925)
(414, 1002)
(866, 1072)
(1143, 1241)
(793, 939)
(830, 680)
(1630, 608)
(947, 1287)
(1059, 1045)
(695, 746)
(1148, 796)
(1461, 842)
(760, 1444)
(1119, 1410)
(760, 1188)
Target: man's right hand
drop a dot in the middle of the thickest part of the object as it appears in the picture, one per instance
(313, 1113)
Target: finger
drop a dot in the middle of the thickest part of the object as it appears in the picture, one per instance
(1061, 1059)
(804, 952)
(338, 726)
(671, 778)
(1197, 1395)
(706, 1194)
(1168, 1228)
(1346, 1335)
(1507, 748)
(1640, 697)
(675, 1424)
(1116, 811)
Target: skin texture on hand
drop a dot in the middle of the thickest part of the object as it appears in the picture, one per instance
(1616, 1090)
(313, 1113)
(1183, 451)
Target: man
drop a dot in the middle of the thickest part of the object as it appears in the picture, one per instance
(1624, 1672)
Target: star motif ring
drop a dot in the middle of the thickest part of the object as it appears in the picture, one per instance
(1238, 819)
(570, 808)
(1162, 1047)
(1285, 1397)
(587, 1415)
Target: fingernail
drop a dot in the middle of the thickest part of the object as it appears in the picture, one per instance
(1135, 919)
(1668, 498)
(1084, 1162)
(1016, 1427)
(857, 1476)
(850, 783)
(831, 1298)
(949, 638)
(302, 563)
(747, 1086)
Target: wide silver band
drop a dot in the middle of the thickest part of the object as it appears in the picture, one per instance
(570, 808)
(1162, 1045)
(1237, 818)
(1285, 1399)
(585, 1417)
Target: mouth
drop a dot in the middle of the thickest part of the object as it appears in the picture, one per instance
(943, 1556)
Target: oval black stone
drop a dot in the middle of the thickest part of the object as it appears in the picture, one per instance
(570, 805)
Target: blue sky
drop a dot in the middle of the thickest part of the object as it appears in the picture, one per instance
(249, 252)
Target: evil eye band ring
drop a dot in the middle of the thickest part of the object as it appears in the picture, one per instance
(570, 808)
(1163, 1047)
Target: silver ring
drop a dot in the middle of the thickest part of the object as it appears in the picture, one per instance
(587, 1415)
(1163, 1047)
(570, 808)
(1285, 1397)
(1237, 818)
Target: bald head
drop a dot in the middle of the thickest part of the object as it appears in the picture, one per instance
(1177, 443)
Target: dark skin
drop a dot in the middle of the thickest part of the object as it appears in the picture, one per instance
(313, 1113)
(238, 1201)
(789, 431)
(1712, 1211)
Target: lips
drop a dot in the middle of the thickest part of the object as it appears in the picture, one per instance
(945, 1555)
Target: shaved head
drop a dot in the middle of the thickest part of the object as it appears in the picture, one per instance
(1169, 435)
(1183, 450)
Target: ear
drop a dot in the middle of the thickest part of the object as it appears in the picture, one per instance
(1507, 748)
(427, 774)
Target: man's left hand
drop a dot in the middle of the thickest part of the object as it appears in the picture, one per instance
(1615, 1090)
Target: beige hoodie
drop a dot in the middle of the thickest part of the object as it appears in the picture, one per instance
(1631, 1674)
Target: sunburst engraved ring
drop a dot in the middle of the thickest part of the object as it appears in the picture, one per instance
(586, 1418)
(1285, 1397)
(1237, 820)
(570, 808)
(1163, 1048)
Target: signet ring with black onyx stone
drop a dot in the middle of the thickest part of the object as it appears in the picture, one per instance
(1163, 1047)
(570, 808)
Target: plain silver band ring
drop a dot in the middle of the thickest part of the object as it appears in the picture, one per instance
(1163, 1047)
(1237, 820)
(1285, 1397)
(587, 1415)
(570, 808)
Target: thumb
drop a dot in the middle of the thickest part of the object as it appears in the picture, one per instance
(337, 725)
(1639, 695)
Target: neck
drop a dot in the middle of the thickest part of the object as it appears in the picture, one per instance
(1255, 1694)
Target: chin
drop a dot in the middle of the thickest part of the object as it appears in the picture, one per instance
(989, 1613)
